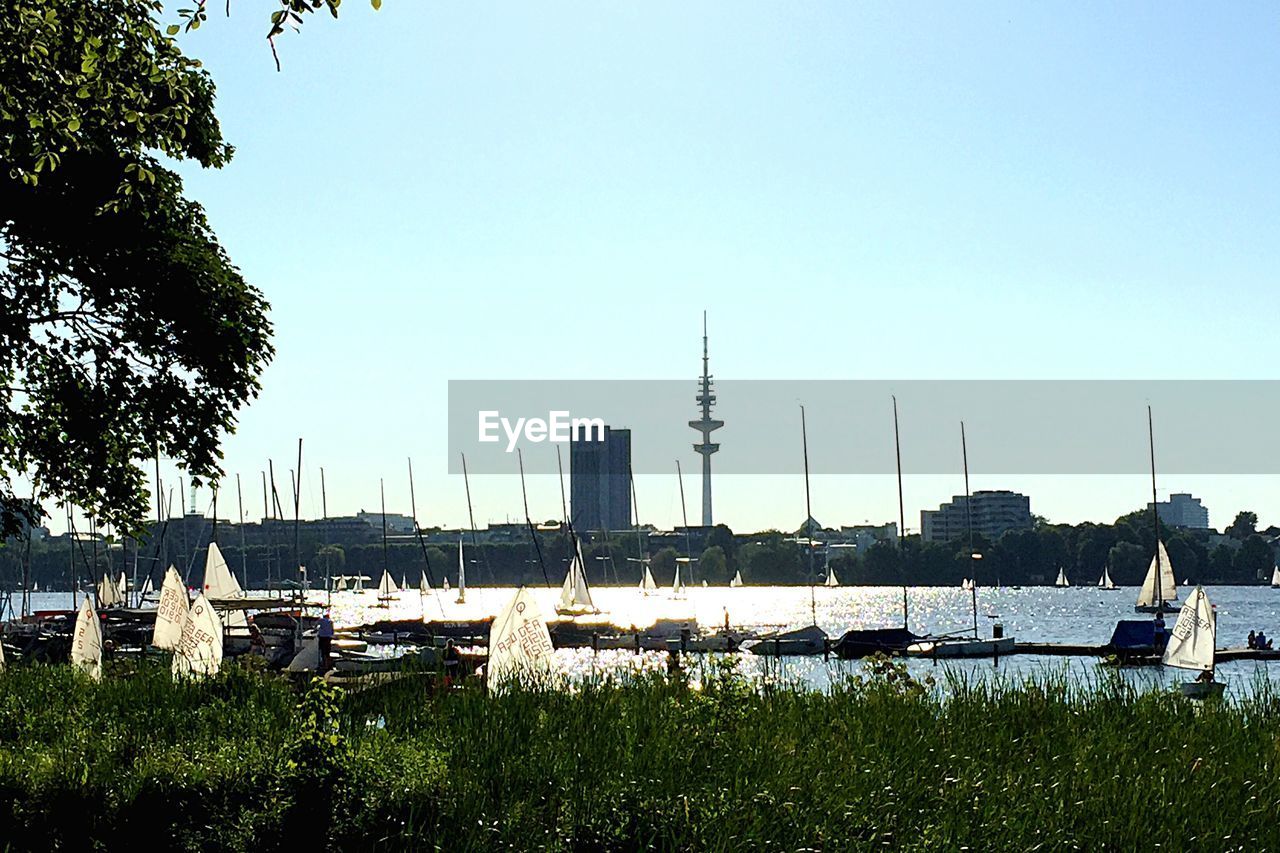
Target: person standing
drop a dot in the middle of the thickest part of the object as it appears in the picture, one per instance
(324, 634)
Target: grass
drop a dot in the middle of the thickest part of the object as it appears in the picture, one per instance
(247, 761)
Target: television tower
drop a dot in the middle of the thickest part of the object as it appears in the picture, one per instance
(706, 425)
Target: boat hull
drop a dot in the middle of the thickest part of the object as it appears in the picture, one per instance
(1167, 607)
(1203, 689)
(962, 648)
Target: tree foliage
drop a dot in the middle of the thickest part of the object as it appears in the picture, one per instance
(125, 330)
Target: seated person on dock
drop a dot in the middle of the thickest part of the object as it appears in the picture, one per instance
(1253, 639)
(1263, 642)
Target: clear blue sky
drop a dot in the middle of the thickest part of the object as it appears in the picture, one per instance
(932, 190)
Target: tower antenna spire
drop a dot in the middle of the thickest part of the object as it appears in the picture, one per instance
(706, 425)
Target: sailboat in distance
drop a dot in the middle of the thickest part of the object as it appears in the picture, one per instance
(1105, 582)
(1275, 577)
(647, 583)
(831, 580)
(575, 595)
(1159, 589)
(462, 575)
(1062, 581)
(737, 580)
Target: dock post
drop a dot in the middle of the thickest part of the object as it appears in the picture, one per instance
(637, 638)
(595, 641)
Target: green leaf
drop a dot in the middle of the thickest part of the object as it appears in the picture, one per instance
(377, 4)
(73, 125)
(173, 29)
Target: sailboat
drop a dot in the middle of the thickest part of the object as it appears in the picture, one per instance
(1105, 582)
(1191, 645)
(519, 644)
(575, 594)
(123, 586)
(462, 575)
(423, 586)
(220, 585)
(387, 589)
(1275, 577)
(199, 649)
(1161, 595)
(445, 585)
(647, 583)
(677, 585)
(737, 580)
(171, 612)
(340, 583)
(831, 580)
(1062, 581)
(108, 593)
(86, 642)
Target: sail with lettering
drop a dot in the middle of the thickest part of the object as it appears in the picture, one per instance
(199, 649)
(172, 611)
(831, 580)
(1191, 643)
(1168, 589)
(737, 580)
(575, 594)
(86, 642)
(519, 644)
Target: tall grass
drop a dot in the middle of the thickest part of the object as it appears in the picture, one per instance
(245, 761)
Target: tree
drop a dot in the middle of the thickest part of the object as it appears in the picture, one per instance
(663, 564)
(713, 565)
(1254, 560)
(125, 331)
(1245, 525)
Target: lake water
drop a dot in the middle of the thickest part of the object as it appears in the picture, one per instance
(1083, 615)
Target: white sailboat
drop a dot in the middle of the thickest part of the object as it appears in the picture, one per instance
(1191, 645)
(359, 585)
(1165, 591)
(387, 589)
(677, 585)
(147, 589)
(575, 594)
(737, 580)
(108, 593)
(1062, 581)
(123, 586)
(340, 583)
(445, 585)
(462, 575)
(647, 583)
(423, 586)
(831, 580)
(519, 644)
(199, 650)
(86, 642)
(171, 612)
(1275, 577)
(221, 585)
(1105, 582)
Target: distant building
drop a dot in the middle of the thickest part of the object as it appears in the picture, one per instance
(396, 523)
(994, 514)
(600, 480)
(1183, 510)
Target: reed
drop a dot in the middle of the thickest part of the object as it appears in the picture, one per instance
(881, 761)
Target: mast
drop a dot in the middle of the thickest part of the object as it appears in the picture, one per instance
(635, 511)
(244, 556)
(186, 545)
(808, 515)
(324, 511)
(688, 547)
(533, 534)
(968, 522)
(1155, 519)
(297, 525)
(564, 505)
(413, 508)
(484, 555)
(266, 528)
(902, 514)
(71, 555)
(383, 494)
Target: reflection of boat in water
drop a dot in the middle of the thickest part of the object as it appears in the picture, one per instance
(810, 640)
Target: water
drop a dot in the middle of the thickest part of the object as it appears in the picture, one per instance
(1083, 615)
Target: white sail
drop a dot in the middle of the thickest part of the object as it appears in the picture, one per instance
(308, 657)
(123, 586)
(677, 585)
(172, 611)
(359, 585)
(1168, 586)
(86, 642)
(199, 650)
(340, 585)
(404, 581)
(108, 592)
(647, 583)
(737, 580)
(220, 585)
(445, 585)
(831, 580)
(575, 594)
(1275, 576)
(387, 586)
(519, 643)
(1062, 578)
(147, 588)
(423, 586)
(462, 575)
(1192, 640)
(1, 653)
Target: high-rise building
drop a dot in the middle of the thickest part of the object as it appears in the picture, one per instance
(706, 425)
(600, 479)
(994, 513)
(1183, 510)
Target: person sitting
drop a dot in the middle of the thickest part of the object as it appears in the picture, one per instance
(1263, 642)
(1253, 639)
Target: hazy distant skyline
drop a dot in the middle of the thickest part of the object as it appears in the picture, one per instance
(436, 192)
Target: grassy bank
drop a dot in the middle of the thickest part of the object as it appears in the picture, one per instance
(250, 762)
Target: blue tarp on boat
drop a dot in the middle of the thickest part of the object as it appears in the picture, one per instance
(1137, 636)
(861, 643)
